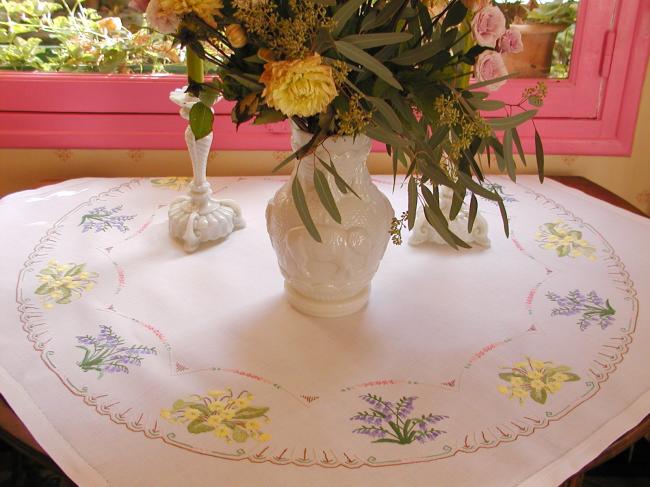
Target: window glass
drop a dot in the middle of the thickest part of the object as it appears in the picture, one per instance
(102, 36)
(547, 29)
(109, 36)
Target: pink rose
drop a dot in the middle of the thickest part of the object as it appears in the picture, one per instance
(488, 25)
(489, 65)
(510, 42)
(139, 5)
(165, 23)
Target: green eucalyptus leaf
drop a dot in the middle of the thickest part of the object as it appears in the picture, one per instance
(473, 211)
(507, 155)
(418, 54)
(201, 119)
(512, 121)
(343, 14)
(487, 105)
(269, 116)
(359, 56)
(384, 15)
(482, 84)
(504, 217)
(412, 201)
(539, 154)
(455, 15)
(520, 148)
(387, 111)
(368, 41)
(343, 186)
(303, 210)
(325, 195)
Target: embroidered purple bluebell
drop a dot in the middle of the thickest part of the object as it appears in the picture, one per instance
(388, 422)
(497, 188)
(591, 308)
(102, 219)
(106, 353)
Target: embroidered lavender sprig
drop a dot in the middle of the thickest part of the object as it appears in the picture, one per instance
(389, 422)
(101, 219)
(592, 308)
(106, 353)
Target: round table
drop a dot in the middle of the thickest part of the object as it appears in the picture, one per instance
(518, 359)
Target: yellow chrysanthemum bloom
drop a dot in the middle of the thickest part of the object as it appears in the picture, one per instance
(303, 87)
(206, 9)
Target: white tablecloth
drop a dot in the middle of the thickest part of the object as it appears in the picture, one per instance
(133, 363)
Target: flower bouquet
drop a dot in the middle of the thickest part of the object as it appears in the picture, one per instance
(414, 75)
(396, 70)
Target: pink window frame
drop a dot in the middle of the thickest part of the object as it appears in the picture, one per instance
(593, 112)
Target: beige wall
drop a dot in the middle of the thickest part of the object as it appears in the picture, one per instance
(628, 177)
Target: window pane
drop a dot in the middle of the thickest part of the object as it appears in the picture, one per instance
(101, 36)
(547, 28)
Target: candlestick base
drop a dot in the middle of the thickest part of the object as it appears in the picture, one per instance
(198, 217)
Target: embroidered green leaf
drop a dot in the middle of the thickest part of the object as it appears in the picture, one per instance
(538, 395)
(239, 435)
(250, 413)
(198, 426)
(43, 289)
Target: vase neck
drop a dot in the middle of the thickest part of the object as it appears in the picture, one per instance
(346, 154)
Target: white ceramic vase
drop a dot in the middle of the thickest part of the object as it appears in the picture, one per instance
(331, 278)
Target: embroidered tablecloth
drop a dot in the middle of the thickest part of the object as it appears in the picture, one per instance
(133, 363)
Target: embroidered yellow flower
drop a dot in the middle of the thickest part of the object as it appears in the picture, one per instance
(565, 240)
(191, 414)
(536, 379)
(207, 10)
(61, 283)
(228, 416)
(303, 87)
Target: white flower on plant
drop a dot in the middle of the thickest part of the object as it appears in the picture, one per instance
(489, 65)
(163, 22)
(510, 42)
(488, 25)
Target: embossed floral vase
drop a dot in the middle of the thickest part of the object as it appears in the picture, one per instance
(330, 278)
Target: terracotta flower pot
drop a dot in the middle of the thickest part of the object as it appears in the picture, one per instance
(535, 60)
